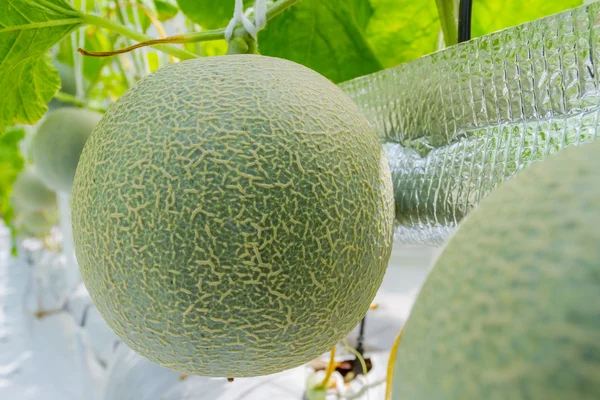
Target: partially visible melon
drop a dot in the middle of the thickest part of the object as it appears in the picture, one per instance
(58, 143)
(67, 77)
(29, 193)
(34, 223)
(68, 85)
(511, 309)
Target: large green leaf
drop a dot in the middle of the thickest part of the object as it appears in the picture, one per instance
(494, 15)
(210, 14)
(323, 35)
(28, 28)
(402, 30)
(362, 11)
(11, 163)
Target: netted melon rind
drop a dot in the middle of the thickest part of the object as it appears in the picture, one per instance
(511, 309)
(233, 216)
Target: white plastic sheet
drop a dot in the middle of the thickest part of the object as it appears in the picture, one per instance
(69, 352)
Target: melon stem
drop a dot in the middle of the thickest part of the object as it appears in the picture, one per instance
(133, 34)
(330, 369)
(164, 44)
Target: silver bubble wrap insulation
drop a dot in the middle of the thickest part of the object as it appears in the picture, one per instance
(458, 122)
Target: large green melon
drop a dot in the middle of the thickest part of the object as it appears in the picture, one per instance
(511, 309)
(232, 216)
(58, 143)
(29, 193)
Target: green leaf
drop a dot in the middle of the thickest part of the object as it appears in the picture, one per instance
(210, 14)
(28, 28)
(322, 35)
(11, 163)
(402, 30)
(165, 9)
(494, 15)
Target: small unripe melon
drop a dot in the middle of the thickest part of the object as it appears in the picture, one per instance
(68, 85)
(232, 216)
(67, 77)
(34, 223)
(66, 73)
(511, 309)
(58, 143)
(29, 193)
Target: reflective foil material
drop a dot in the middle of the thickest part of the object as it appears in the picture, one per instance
(458, 122)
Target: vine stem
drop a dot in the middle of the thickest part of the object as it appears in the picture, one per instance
(69, 98)
(218, 34)
(160, 44)
(390, 367)
(133, 34)
(330, 369)
(78, 40)
(447, 11)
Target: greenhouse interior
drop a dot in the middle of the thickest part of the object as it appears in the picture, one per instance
(299, 200)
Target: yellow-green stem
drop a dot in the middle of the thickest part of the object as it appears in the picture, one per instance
(390, 366)
(330, 369)
(448, 20)
(161, 44)
(133, 34)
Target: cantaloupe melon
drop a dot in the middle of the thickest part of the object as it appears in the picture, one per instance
(232, 216)
(29, 193)
(58, 143)
(511, 309)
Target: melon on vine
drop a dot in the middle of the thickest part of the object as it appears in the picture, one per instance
(58, 142)
(511, 309)
(232, 216)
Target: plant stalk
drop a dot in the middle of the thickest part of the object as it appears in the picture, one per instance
(78, 37)
(68, 98)
(390, 367)
(161, 44)
(133, 34)
(447, 11)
